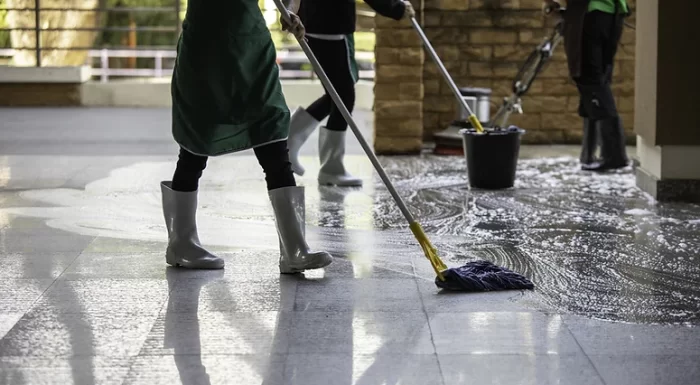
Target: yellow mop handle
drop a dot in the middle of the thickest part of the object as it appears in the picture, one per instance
(429, 250)
(476, 123)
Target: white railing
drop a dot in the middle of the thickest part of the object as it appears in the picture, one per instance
(104, 72)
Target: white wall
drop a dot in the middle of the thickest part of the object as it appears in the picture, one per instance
(156, 93)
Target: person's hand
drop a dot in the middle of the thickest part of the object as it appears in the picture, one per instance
(296, 28)
(549, 6)
(409, 12)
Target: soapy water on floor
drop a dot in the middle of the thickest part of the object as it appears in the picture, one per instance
(593, 244)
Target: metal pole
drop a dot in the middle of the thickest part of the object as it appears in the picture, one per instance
(348, 118)
(37, 31)
(441, 67)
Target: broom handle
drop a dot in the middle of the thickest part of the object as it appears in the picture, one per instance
(348, 118)
(443, 71)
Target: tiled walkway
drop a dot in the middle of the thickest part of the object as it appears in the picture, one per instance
(86, 298)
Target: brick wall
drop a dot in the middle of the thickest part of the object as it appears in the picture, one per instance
(39, 94)
(482, 44)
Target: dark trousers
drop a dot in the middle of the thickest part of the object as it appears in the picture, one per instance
(334, 57)
(601, 35)
(273, 157)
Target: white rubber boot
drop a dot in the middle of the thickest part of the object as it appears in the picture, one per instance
(290, 211)
(184, 249)
(331, 147)
(301, 125)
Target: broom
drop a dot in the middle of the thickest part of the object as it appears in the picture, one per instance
(474, 276)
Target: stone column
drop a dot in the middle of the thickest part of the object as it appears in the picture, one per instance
(398, 89)
(667, 120)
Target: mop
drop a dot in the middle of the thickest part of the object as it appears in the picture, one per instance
(475, 276)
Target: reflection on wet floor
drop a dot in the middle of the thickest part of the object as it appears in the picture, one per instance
(593, 244)
(86, 297)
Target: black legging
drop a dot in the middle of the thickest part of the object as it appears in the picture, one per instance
(273, 157)
(334, 57)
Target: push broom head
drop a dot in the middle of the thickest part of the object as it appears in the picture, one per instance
(474, 276)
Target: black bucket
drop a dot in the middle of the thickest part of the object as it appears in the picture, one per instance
(492, 157)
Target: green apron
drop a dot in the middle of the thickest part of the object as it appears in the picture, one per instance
(350, 39)
(226, 91)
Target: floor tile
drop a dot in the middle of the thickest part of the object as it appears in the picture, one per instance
(105, 295)
(360, 332)
(113, 245)
(608, 338)
(266, 294)
(92, 265)
(61, 371)
(8, 321)
(345, 267)
(522, 369)
(206, 370)
(368, 294)
(19, 295)
(501, 333)
(54, 334)
(219, 333)
(35, 265)
(436, 300)
(19, 241)
(358, 369)
(648, 369)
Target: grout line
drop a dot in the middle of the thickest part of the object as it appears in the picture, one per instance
(53, 283)
(430, 328)
(585, 354)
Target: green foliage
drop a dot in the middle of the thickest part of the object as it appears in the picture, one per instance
(166, 18)
(364, 41)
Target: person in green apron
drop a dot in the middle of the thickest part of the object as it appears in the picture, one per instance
(592, 31)
(227, 98)
(330, 27)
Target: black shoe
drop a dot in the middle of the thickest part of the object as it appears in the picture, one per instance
(613, 153)
(589, 143)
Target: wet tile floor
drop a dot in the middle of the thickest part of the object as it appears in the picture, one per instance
(85, 296)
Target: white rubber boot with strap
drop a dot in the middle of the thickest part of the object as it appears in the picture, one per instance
(331, 147)
(301, 126)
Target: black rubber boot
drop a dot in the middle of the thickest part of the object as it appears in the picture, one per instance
(613, 153)
(589, 142)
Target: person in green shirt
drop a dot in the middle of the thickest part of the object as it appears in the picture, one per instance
(592, 31)
(609, 6)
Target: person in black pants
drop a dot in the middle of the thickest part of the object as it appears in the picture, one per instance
(592, 32)
(227, 98)
(329, 29)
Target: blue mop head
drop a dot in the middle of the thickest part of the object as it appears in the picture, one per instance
(482, 276)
